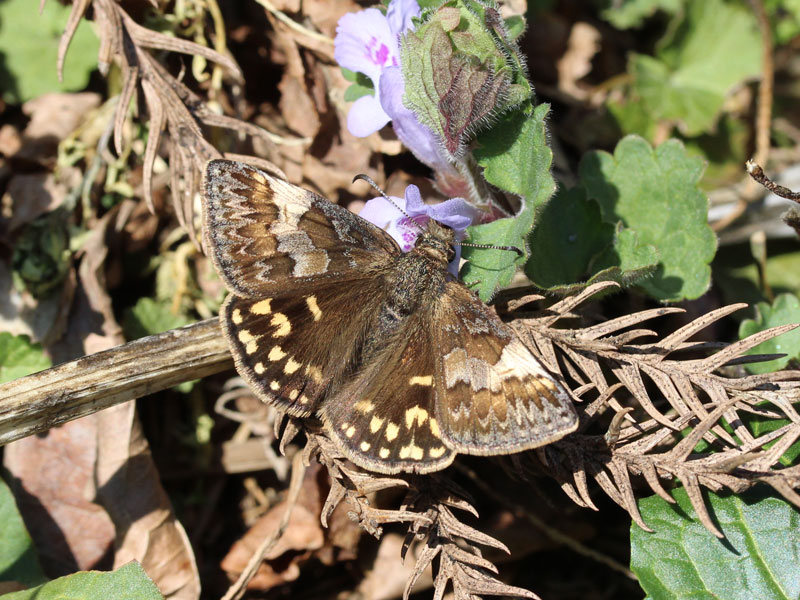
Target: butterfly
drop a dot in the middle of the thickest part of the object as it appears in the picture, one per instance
(327, 317)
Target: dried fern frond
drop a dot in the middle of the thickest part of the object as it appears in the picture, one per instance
(668, 405)
(170, 103)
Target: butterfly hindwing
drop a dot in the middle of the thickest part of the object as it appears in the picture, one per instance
(384, 419)
(493, 395)
(291, 349)
(270, 238)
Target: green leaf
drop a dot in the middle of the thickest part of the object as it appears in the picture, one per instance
(633, 13)
(18, 560)
(784, 17)
(19, 357)
(362, 85)
(757, 559)
(714, 49)
(516, 158)
(655, 194)
(29, 50)
(149, 317)
(785, 310)
(572, 244)
(129, 582)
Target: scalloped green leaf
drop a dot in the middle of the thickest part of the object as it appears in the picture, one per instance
(18, 559)
(129, 582)
(715, 48)
(783, 311)
(655, 194)
(757, 559)
(29, 49)
(20, 357)
(570, 244)
(516, 158)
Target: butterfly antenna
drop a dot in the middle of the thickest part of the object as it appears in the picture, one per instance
(369, 180)
(489, 247)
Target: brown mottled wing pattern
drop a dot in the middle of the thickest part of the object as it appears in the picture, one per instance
(493, 395)
(385, 417)
(292, 260)
(271, 238)
(291, 349)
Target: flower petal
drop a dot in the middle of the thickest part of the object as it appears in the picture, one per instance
(364, 43)
(456, 213)
(399, 15)
(366, 116)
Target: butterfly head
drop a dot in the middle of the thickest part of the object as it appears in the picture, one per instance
(436, 241)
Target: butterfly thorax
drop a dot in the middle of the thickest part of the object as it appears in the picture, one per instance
(416, 279)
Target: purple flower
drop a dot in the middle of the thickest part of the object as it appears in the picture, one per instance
(456, 213)
(367, 42)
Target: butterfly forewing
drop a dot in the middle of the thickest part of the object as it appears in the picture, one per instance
(385, 417)
(493, 396)
(271, 238)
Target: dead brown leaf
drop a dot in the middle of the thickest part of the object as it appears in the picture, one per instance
(303, 538)
(52, 479)
(576, 63)
(53, 117)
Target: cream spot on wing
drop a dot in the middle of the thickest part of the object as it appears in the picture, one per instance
(436, 452)
(236, 316)
(246, 337)
(364, 406)
(375, 424)
(281, 322)
(274, 386)
(365, 446)
(345, 425)
(391, 431)
(383, 453)
(262, 307)
(427, 380)
(291, 366)
(294, 394)
(350, 431)
(276, 354)
(303, 399)
(314, 373)
(251, 347)
(435, 428)
(259, 368)
(411, 451)
(415, 413)
(311, 301)
(258, 177)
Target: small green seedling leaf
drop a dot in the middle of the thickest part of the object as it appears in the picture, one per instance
(18, 560)
(19, 357)
(784, 311)
(655, 194)
(681, 559)
(149, 317)
(129, 582)
(632, 13)
(29, 47)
